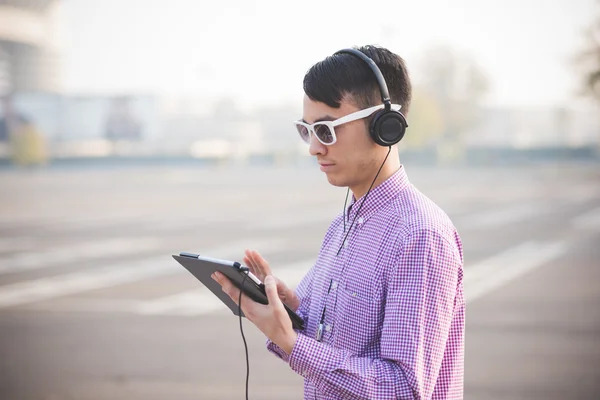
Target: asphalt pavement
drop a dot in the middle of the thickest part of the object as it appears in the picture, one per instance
(92, 306)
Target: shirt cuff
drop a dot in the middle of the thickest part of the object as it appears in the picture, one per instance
(278, 351)
(310, 358)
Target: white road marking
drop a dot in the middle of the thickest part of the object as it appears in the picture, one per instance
(496, 271)
(297, 219)
(580, 195)
(498, 218)
(77, 253)
(68, 284)
(193, 302)
(70, 221)
(10, 244)
(589, 221)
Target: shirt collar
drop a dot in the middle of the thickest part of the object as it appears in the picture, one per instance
(378, 196)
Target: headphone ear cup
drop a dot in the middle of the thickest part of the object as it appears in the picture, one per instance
(388, 127)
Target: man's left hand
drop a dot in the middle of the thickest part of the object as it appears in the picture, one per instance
(272, 319)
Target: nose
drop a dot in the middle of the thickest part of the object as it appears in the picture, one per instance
(315, 147)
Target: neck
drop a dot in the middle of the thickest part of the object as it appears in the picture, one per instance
(390, 167)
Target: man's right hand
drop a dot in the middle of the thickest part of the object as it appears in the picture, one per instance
(260, 268)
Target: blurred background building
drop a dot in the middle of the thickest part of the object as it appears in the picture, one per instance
(31, 45)
(86, 80)
(30, 65)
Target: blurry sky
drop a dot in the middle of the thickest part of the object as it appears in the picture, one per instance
(258, 51)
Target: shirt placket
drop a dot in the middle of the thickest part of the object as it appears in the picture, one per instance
(330, 302)
(341, 260)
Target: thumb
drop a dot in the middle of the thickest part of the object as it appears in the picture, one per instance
(271, 290)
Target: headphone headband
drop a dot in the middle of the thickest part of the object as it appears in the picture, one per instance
(385, 96)
(387, 126)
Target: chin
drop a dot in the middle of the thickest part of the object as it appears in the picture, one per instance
(336, 181)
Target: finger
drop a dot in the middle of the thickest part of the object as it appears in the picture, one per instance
(231, 290)
(224, 281)
(248, 261)
(271, 291)
(254, 266)
(262, 264)
(219, 278)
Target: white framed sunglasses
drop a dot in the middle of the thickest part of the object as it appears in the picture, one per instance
(325, 130)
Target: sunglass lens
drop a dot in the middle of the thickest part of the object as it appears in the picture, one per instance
(303, 131)
(324, 133)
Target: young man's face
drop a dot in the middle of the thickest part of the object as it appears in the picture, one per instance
(353, 160)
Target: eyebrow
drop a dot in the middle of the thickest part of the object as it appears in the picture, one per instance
(324, 118)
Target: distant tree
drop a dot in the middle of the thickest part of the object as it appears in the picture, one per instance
(459, 85)
(589, 59)
(425, 120)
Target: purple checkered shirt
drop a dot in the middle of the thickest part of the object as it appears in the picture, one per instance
(394, 301)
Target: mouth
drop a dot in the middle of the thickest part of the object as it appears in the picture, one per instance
(326, 166)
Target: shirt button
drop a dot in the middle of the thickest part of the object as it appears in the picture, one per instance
(361, 220)
(345, 243)
(328, 328)
(334, 285)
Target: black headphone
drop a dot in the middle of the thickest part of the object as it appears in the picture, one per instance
(387, 126)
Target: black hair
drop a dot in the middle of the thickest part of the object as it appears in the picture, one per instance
(340, 75)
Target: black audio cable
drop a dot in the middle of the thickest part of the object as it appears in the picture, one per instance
(362, 202)
(246, 270)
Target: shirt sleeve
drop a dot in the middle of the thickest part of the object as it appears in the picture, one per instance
(303, 291)
(420, 297)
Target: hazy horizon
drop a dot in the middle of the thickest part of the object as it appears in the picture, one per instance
(194, 48)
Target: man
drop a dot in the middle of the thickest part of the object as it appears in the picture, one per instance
(383, 304)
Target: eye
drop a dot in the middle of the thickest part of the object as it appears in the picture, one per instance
(304, 133)
(323, 132)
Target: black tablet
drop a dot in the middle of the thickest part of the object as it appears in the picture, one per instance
(203, 267)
